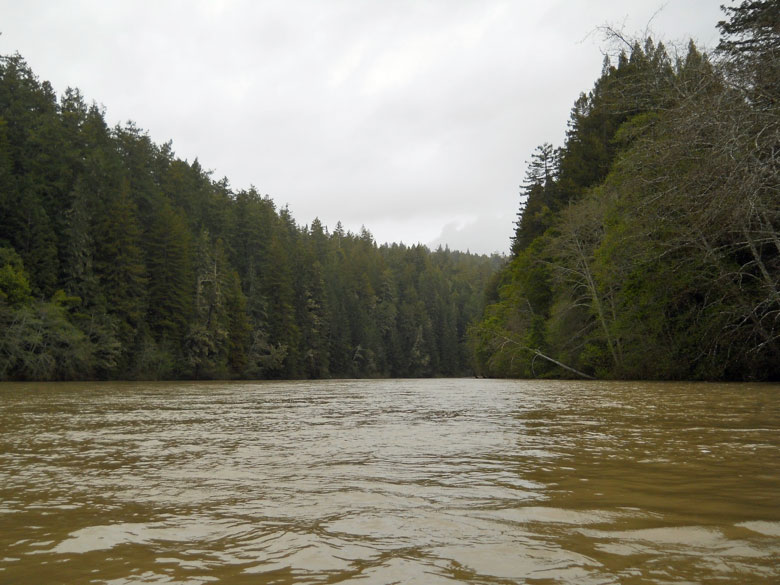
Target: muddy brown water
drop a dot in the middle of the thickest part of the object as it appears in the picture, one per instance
(390, 481)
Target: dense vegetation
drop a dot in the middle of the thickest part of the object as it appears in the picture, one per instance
(119, 260)
(647, 246)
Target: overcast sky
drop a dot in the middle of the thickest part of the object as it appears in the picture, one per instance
(413, 118)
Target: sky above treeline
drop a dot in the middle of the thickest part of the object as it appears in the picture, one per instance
(411, 118)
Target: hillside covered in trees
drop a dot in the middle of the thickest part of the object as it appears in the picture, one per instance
(647, 246)
(120, 260)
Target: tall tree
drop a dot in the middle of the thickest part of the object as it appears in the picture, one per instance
(119, 262)
(537, 196)
(750, 41)
(170, 277)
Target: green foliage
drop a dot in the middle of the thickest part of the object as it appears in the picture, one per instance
(119, 264)
(653, 250)
(39, 343)
(170, 277)
(155, 270)
(14, 282)
(514, 326)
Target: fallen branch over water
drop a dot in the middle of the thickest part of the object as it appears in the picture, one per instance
(538, 353)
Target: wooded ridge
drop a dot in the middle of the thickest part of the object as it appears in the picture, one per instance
(120, 260)
(647, 246)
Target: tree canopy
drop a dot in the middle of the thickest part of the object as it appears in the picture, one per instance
(120, 260)
(650, 248)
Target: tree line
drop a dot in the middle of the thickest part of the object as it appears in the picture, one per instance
(120, 260)
(647, 245)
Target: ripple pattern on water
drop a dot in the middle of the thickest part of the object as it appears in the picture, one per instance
(389, 481)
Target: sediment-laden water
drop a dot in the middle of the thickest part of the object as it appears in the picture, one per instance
(391, 481)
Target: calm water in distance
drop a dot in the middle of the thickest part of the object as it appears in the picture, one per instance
(392, 481)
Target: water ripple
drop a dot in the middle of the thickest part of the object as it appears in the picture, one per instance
(416, 481)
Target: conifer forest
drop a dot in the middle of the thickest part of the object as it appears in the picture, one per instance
(646, 246)
(119, 260)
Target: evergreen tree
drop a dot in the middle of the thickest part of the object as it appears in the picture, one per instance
(119, 262)
(122, 260)
(537, 197)
(750, 41)
(170, 277)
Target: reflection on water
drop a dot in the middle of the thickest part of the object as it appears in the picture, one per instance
(421, 481)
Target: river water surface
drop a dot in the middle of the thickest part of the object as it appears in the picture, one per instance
(394, 481)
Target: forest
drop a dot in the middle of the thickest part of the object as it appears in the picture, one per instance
(119, 260)
(647, 246)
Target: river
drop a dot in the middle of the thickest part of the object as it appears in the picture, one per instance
(389, 481)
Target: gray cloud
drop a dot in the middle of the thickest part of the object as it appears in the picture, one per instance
(411, 118)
